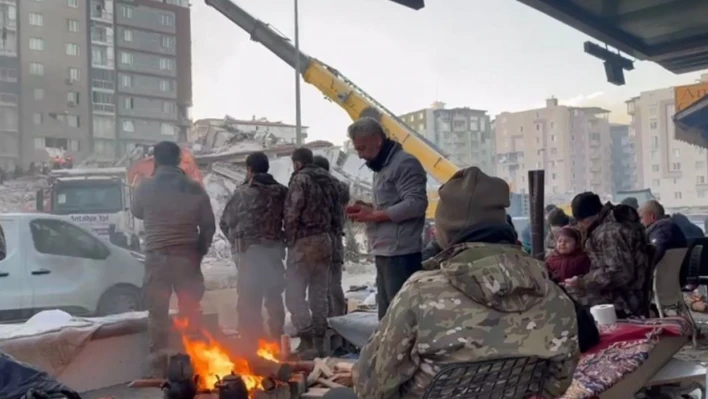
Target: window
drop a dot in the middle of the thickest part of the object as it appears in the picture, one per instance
(128, 102)
(167, 64)
(655, 182)
(165, 85)
(127, 12)
(128, 126)
(167, 129)
(700, 165)
(104, 127)
(72, 49)
(36, 69)
(39, 143)
(72, 3)
(655, 168)
(72, 25)
(553, 137)
(36, 44)
(554, 151)
(652, 124)
(72, 120)
(553, 176)
(168, 42)
(677, 153)
(72, 97)
(676, 166)
(700, 179)
(169, 108)
(126, 80)
(38, 94)
(128, 35)
(538, 127)
(8, 75)
(74, 74)
(36, 19)
(127, 58)
(677, 195)
(57, 237)
(167, 20)
(37, 118)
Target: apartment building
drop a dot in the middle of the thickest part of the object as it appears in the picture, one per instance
(675, 171)
(572, 144)
(9, 85)
(624, 160)
(464, 134)
(99, 76)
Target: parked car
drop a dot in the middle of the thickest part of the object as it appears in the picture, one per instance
(53, 263)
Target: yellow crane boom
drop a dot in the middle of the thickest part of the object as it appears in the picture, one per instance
(336, 87)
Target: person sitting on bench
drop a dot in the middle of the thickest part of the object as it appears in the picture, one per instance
(481, 298)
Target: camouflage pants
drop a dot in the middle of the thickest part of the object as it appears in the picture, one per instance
(261, 282)
(308, 280)
(337, 302)
(167, 271)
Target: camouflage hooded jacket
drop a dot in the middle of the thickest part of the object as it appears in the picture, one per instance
(254, 213)
(310, 205)
(486, 301)
(620, 259)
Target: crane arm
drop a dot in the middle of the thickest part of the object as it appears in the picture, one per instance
(335, 86)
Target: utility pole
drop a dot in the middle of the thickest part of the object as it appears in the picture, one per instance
(298, 116)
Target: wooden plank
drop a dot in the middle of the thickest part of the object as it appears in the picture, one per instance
(678, 371)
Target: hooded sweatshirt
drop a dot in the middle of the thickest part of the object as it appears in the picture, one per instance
(485, 301)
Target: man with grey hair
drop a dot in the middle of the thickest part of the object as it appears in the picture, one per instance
(395, 220)
(662, 231)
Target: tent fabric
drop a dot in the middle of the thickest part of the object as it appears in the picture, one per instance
(356, 327)
(21, 381)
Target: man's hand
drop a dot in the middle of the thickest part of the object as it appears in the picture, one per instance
(362, 203)
(573, 282)
(361, 213)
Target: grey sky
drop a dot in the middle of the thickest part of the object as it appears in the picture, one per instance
(497, 55)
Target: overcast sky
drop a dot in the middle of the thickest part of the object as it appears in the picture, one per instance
(497, 55)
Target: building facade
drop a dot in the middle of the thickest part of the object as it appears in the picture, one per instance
(464, 134)
(624, 159)
(99, 77)
(572, 144)
(675, 171)
(9, 85)
(214, 132)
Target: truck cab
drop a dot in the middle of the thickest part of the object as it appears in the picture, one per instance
(96, 198)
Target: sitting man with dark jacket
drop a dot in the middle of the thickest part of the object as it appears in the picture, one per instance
(482, 298)
(663, 233)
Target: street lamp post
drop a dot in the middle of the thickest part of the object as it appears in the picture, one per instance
(298, 116)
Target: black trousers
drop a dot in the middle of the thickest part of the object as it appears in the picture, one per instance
(391, 273)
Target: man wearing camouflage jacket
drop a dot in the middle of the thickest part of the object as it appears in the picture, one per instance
(483, 299)
(3, 245)
(337, 302)
(308, 220)
(620, 257)
(253, 223)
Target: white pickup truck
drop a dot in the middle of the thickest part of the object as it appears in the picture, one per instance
(52, 263)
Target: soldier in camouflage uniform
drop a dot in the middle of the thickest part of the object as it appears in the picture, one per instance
(620, 256)
(309, 209)
(179, 227)
(482, 298)
(253, 222)
(337, 302)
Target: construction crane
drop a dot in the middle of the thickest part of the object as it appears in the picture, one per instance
(342, 91)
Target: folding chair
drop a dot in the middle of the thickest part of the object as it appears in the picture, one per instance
(511, 378)
(667, 285)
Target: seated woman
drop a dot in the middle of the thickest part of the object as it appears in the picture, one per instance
(568, 259)
(482, 298)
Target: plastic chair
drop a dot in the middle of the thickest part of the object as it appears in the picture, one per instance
(667, 285)
(511, 378)
(695, 266)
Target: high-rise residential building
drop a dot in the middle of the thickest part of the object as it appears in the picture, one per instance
(624, 160)
(675, 171)
(99, 76)
(9, 85)
(572, 144)
(463, 133)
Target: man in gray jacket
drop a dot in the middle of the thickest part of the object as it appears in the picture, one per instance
(179, 227)
(395, 221)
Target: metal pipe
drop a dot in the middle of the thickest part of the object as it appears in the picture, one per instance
(298, 116)
(536, 217)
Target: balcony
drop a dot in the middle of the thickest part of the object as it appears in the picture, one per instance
(101, 15)
(109, 109)
(103, 84)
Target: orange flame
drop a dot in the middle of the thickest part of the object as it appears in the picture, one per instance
(211, 360)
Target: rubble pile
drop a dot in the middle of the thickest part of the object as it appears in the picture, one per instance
(18, 195)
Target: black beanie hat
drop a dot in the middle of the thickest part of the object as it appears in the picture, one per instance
(585, 205)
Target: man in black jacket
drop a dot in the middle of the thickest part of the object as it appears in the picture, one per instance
(662, 232)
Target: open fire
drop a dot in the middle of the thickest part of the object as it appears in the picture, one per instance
(212, 361)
